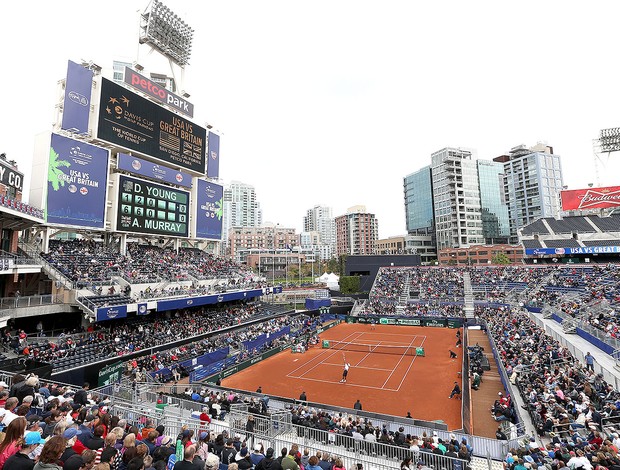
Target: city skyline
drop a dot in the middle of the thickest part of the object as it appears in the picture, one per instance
(336, 109)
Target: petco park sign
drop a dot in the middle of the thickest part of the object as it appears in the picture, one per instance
(157, 91)
(591, 198)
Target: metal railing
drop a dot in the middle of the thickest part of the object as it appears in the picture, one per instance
(30, 301)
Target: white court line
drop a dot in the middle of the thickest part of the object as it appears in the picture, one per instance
(397, 364)
(316, 365)
(347, 384)
(358, 367)
(407, 372)
(318, 356)
(369, 353)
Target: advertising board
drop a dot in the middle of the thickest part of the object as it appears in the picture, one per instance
(155, 90)
(591, 198)
(76, 106)
(209, 210)
(133, 122)
(76, 183)
(213, 154)
(139, 166)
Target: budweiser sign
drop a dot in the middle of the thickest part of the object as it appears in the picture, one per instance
(591, 198)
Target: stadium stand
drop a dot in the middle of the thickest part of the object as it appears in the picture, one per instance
(537, 226)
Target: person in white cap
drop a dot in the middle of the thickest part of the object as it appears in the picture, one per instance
(257, 455)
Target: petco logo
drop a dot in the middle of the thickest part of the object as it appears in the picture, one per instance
(156, 91)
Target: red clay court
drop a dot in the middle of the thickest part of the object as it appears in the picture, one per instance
(385, 375)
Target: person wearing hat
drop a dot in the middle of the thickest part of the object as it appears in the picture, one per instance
(20, 460)
(70, 435)
(243, 459)
(257, 455)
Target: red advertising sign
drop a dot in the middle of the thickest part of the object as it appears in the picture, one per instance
(591, 198)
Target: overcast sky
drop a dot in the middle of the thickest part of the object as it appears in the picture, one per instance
(334, 102)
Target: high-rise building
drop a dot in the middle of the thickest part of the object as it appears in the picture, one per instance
(419, 216)
(456, 199)
(241, 208)
(418, 189)
(532, 184)
(356, 232)
(319, 219)
(495, 223)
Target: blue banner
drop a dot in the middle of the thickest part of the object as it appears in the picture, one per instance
(76, 108)
(174, 304)
(315, 304)
(209, 210)
(257, 343)
(154, 171)
(582, 250)
(111, 313)
(213, 156)
(77, 178)
(142, 309)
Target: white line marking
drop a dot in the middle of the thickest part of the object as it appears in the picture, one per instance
(397, 364)
(316, 365)
(407, 372)
(347, 383)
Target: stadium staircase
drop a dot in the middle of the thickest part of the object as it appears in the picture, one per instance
(469, 296)
(403, 298)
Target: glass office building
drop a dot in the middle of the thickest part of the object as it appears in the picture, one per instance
(495, 222)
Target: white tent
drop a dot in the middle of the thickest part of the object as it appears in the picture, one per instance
(331, 279)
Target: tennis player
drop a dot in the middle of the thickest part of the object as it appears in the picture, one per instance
(345, 372)
(372, 324)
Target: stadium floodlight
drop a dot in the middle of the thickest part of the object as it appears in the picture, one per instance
(165, 31)
(610, 140)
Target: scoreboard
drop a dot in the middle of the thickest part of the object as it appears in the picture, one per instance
(150, 208)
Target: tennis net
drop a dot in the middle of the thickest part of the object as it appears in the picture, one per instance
(400, 350)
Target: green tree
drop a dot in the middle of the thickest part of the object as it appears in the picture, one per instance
(349, 284)
(500, 258)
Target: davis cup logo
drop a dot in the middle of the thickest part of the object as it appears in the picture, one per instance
(142, 309)
(78, 98)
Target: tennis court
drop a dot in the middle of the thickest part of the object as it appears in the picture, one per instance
(385, 373)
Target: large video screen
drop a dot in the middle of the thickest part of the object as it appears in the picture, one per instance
(150, 208)
(133, 122)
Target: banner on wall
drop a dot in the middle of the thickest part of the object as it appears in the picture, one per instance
(111, 313)
(209, 210)
(76, 106)
(76, 183)
(213, 156)
(139, 166)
